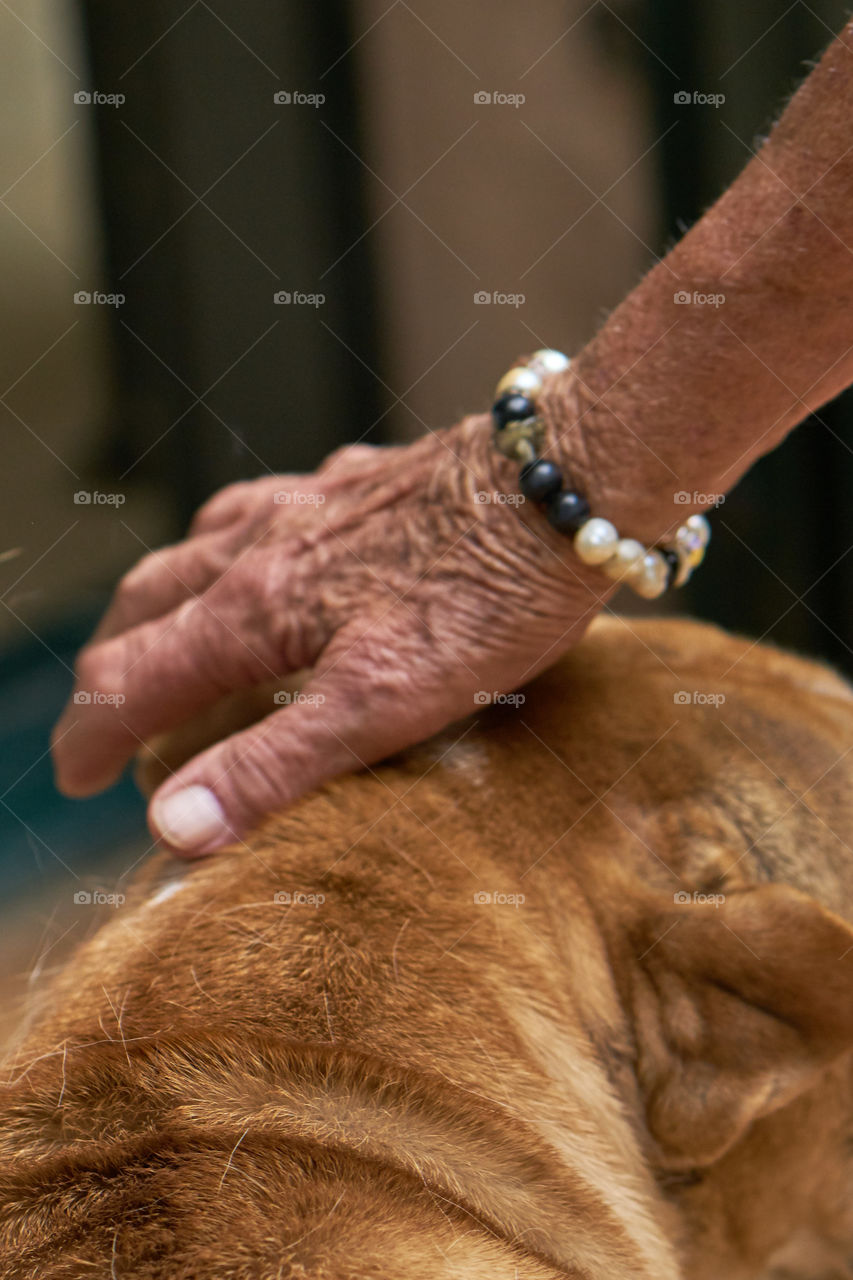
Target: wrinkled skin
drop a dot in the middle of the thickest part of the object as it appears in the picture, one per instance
(402, 590)
(403, 593)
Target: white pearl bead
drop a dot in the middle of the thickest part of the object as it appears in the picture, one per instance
(626, 559)
(690, 545)
(595, 541)
(519, 379)
(699, 525)
(549, 361)
(650, 580)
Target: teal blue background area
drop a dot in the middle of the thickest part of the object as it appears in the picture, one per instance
(40, 830)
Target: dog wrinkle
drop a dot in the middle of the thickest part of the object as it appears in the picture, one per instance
(151, 1161)
(531, 1133)
(328, 1099)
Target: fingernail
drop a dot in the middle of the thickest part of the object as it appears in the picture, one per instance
(190, 818)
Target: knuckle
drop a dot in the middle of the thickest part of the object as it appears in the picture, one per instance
(227, 500)
(137, 582)
(200, 635)
(404, 663)
(385, 663)
(252, 776)
(87, 667)
(349, 453)
(286, 600)
(98, 672)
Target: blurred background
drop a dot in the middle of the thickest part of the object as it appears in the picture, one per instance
(235, 237)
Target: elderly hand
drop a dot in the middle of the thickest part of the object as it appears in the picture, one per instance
(408, 579)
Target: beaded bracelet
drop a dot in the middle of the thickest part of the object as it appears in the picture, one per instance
(518, 435)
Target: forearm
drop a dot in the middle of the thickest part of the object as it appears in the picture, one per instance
(671, 396)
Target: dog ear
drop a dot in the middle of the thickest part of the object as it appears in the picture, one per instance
(740, 1002)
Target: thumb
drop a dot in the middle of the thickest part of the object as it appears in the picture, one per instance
(339, 721)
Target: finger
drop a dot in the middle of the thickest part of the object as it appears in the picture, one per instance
(234, 503)
(162, 673)
(353, 459)
(165, 753)
(162, 580)
(356, 713)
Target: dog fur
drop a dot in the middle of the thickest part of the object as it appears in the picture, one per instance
(641, 1069)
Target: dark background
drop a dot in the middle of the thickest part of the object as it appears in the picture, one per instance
(207, 198)
(780, 565)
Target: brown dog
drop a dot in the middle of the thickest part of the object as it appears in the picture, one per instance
(565, 992)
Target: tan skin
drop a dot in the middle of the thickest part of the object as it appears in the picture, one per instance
(407, 595)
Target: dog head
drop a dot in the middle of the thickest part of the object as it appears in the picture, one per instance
(621, 1074)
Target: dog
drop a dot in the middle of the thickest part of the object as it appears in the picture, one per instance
(563, 992)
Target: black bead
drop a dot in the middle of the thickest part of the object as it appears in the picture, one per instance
(540, 480)
(672, 564)
(512, 407)
(567, 512)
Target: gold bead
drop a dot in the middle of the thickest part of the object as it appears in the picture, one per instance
(521, 379)
(525, 451)
(626, 559)
(520, 440)
(595, 541)
(690, 544)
